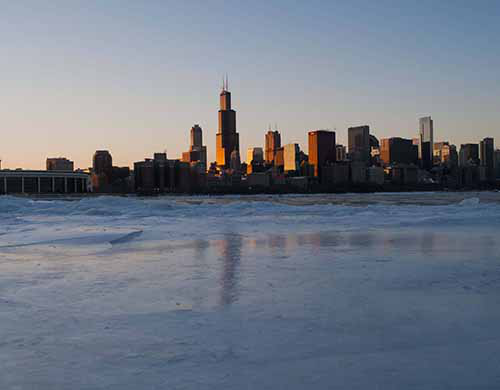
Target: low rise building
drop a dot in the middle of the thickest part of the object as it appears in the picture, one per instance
(43, 182)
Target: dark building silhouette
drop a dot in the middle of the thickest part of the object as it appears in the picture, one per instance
(426, 142)
(322, 149)
(341, 154)
(102, 163)
(227, 139)
(102, 171)
(497, 163)
(235, 164)
(107, 178)
(469, 155)
(397, 150)
(359, 143)
(43, 182)
(59, 164)
(273, 143)
(161, 175)
(487, 157)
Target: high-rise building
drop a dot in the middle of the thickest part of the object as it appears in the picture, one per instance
(279, 158)
(321, 149)
(487, 152)
(497, 163)
(341, 153)
(426, 142)
(102, 163)
(487, 156)
(273, 143)
(196, 137)
(197, 152)
(59, 164)
(469, 155)
(398, 151)
(446, 154)
(255, 155)
(235, 163)
(227, 140)
(291, 156)
(359, 143)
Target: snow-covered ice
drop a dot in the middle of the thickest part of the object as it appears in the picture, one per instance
(372, 291)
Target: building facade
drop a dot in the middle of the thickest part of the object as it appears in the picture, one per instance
(341, 153)
(321, 149)
(273, 143)
(469, 155)
(227, 139)
(59, 164)
(255, 155)
(359, 143)
(487, 157)
(43, 182)
(102, 163)
(197, 153)
(291, 156)
(426, 142)
(398, 150)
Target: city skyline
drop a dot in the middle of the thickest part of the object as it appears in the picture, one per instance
(134, 80)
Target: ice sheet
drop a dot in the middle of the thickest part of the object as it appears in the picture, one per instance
(384, 291)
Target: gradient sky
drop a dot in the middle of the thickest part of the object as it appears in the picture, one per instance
(134, 76)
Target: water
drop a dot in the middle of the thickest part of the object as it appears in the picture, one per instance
(384, 291)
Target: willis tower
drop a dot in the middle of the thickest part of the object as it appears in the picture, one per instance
(228, 139)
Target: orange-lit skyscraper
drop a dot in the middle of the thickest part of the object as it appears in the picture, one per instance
(321, 149)
(227, 139)
(273, 143)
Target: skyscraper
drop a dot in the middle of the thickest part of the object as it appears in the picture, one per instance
(321, 149)
(255, 155)
(291, 155)
(469, 155)
(397, 150)
(197, 152)
(341, 154)
(273, 143)
(359, 143)
(227, 139)
(487, 156)
(102, 163)
(497, 163)
(102, 171)
(426, 142)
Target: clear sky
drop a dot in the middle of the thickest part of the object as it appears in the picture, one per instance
(134, 76)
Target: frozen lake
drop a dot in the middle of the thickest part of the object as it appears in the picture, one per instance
(372, 291)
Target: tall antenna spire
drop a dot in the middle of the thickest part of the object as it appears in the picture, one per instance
(227, 83)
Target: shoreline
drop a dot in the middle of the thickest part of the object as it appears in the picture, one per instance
(388, 189)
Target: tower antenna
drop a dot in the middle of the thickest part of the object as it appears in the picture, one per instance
(227, 83)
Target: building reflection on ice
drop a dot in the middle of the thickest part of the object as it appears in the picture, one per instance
(230, 248)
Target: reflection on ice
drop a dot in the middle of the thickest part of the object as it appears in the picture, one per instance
(229, 248)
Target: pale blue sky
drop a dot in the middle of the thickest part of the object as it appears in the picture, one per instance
(133, 77)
